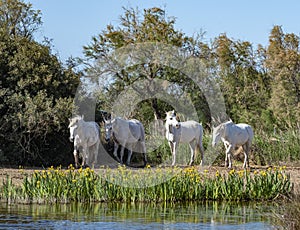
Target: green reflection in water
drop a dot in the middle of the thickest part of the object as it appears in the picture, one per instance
(204, 212)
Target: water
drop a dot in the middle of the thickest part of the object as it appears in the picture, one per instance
(208, 215)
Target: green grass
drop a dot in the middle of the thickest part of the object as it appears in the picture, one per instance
(146, 185)
(274, 149)
(267, 149)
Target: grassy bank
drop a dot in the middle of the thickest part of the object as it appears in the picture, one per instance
(122, 184)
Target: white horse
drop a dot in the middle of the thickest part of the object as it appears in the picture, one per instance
(183, 132)
(85, 135)
(234, 135)
(127, 133)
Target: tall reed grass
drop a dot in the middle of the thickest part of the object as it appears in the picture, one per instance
(283, 147)
(267, 149)
(56, 185)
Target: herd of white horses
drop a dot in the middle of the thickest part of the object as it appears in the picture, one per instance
(130, 134)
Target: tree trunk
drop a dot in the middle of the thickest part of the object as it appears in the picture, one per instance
(154, 105)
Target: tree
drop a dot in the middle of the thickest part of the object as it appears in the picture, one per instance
(152, 26)
(242, 78)
(283, 63)
(36, 90)
(18, 18)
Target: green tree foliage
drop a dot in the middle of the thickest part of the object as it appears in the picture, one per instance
(36, 90)
(243, 81)
(283, 62)
(18, 18)
(260, 85)
(152, 26)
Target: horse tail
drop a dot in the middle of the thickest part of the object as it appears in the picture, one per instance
(142, 138)
(199, 143)
(250, 133)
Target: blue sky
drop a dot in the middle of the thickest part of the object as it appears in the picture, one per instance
(72, 23)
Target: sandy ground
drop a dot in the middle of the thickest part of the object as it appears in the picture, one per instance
(18, 175)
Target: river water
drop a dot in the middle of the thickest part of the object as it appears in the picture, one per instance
(206, 215)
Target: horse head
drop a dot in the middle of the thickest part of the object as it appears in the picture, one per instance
(172, 119)
(108, 128)
(220, 131)
(73, 125)
(217, 134)
(72, 133)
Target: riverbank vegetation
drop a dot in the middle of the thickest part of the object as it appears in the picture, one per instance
(122, 184)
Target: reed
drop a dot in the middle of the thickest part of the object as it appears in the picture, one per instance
(277, 148)
(56, 185)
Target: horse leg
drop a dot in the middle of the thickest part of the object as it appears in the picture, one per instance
(116, 146)
(129, 154)
(228, 156)
(85, 154)
(96, 156)
(144, 152)
(122, 153)
(192, 147)
(246, 153)
(94, 151)
(75, 153)
(201, 149)
(174, 148)
(171, 148)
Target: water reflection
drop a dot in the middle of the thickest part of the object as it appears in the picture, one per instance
(208, 215)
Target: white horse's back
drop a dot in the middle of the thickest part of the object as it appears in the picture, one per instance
(190, 130)
(239, 134)
(130, 130)
(126, 133)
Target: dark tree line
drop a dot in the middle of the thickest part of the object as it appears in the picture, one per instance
(36, 91)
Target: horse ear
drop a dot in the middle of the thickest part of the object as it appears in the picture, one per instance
(103, 117)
